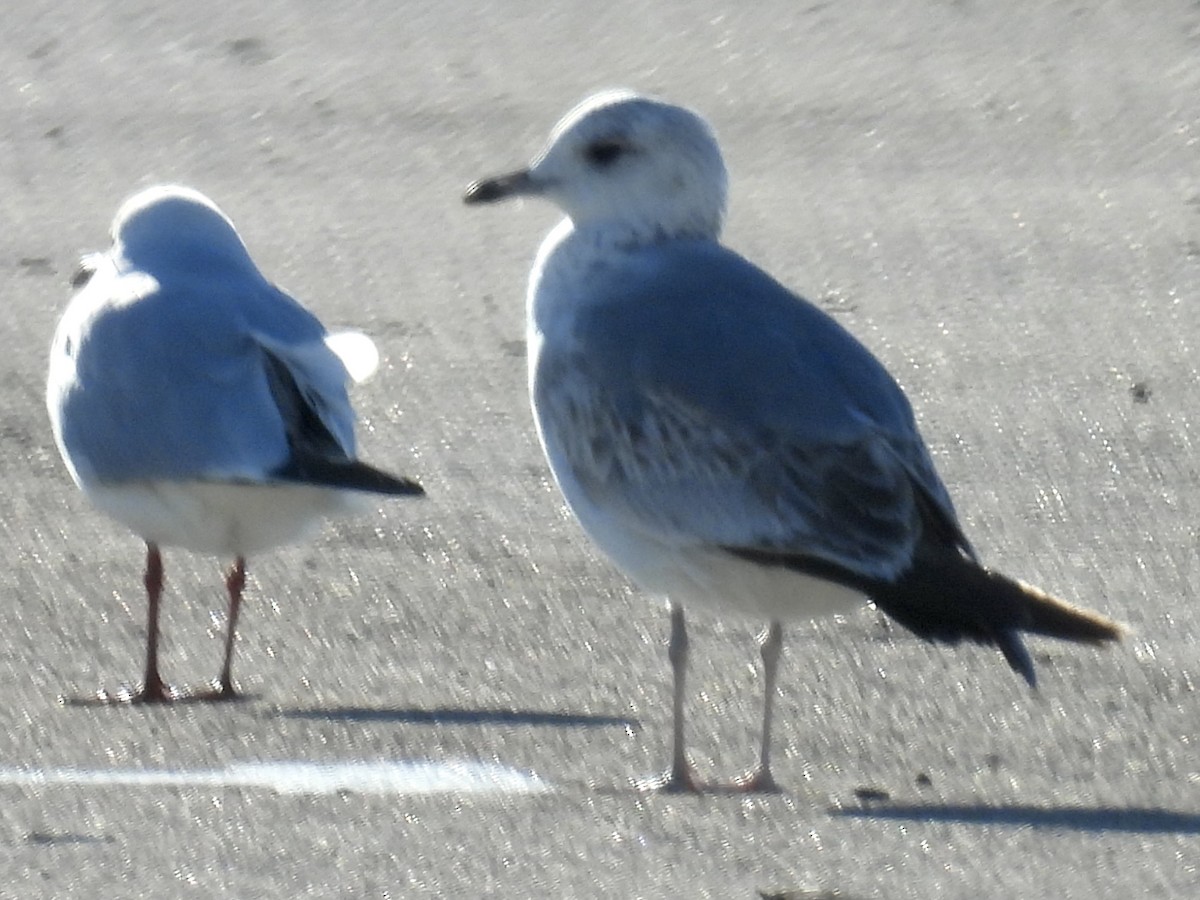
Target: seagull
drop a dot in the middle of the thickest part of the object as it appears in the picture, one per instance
(202, 407)
(722, 440)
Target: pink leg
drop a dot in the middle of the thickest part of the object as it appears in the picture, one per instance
(235, 583)
(153, 689)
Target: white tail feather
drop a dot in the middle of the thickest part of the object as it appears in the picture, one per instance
(357, 353)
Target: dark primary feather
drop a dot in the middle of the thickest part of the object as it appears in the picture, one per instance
(349, 474)
(947, 596)
(316, 456)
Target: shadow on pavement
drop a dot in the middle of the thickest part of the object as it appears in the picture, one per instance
(450, 716)
(1102, 818)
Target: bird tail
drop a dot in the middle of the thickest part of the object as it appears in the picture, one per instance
(1052, 617)
(954, 599)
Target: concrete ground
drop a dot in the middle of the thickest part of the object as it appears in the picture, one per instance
(1002, 200)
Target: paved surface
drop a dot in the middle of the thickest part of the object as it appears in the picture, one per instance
(1003, 201)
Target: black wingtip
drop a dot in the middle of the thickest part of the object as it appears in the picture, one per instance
(348, 474)
(361, 477)
(400, 487)
(1017, 656)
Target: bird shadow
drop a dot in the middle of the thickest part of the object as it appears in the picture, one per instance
(1135, 819)
(458, 716)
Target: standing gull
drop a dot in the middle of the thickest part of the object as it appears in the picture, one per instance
(724, 441)
(201, 406)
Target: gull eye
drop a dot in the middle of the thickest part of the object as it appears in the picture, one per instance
(604, 153)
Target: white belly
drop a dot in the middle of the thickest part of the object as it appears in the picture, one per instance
(221, 518)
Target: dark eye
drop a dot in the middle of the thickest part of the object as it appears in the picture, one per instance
(603, 153)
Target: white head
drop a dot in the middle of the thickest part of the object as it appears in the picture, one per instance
(641, 167)
(169, 224)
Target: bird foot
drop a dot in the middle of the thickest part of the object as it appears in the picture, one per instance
(155, 693)
(216, 692)
(758, 780)
(152, 692)
(681, 779)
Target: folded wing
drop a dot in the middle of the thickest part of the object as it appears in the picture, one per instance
(709, 403)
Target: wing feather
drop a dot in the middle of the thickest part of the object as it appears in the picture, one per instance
(710, 404)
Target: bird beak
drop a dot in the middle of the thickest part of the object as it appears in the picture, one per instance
(87, 268)
(489, 190)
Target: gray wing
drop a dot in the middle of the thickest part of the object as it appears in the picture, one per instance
(192, 379)
(711, 405)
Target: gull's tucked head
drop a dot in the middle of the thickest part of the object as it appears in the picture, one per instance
(645, 168)
(168, 224)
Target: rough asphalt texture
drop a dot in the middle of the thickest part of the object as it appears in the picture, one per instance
(1002, 200)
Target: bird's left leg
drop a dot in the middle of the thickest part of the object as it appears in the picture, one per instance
(235, 583)
(760, 779)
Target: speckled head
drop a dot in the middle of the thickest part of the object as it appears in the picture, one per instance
(625, 161)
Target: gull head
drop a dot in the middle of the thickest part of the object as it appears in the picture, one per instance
(645, 169)
(167, 225)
